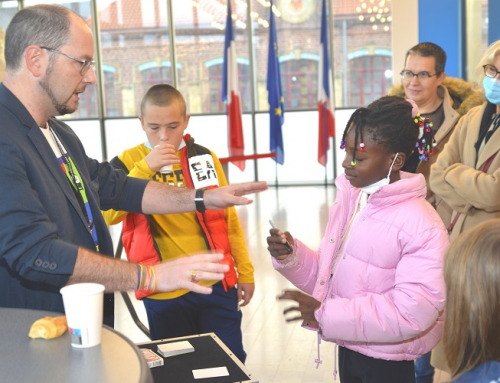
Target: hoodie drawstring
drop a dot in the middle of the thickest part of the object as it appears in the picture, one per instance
(318, 360)
(335, 361)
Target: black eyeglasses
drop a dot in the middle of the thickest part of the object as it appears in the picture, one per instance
(408, 75)
(85, 64)
(490, 71)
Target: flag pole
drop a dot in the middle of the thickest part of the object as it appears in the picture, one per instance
(325, 146)
(334, 145)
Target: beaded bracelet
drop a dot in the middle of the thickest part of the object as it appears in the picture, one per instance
(146, 278)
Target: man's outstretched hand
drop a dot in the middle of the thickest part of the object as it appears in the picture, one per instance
(231, 195)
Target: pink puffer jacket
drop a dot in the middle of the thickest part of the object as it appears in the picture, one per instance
(387, 295)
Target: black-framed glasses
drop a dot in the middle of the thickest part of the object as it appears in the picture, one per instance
(85, 64)
(490, 71)
(407, 75)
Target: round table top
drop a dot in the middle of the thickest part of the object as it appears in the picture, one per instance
(23, 359)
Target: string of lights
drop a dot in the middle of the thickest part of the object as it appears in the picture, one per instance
(377, 12)
(216, 11)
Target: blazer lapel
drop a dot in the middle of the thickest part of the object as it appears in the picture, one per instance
(489, 149)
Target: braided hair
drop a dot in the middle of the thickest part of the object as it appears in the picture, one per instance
(394, 123)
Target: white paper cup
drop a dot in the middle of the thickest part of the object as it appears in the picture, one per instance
(83, 305)
(166, 169)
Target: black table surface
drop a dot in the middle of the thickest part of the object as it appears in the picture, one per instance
(209, 352)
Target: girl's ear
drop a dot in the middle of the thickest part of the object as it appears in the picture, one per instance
(400, 161)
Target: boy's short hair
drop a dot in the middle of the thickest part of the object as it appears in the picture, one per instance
(163, 95)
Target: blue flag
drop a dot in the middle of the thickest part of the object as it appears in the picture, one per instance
(275, 96)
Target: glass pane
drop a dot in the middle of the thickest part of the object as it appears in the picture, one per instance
(298, 34)
(299, 77)
(374, 76)
(7, 11)
(357, 40)
(199, 32)
(88, 132)
(135, 52)
(88, 100)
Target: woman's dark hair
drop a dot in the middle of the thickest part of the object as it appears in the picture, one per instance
(389, 123)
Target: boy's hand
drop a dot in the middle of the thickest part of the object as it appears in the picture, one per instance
(245, 293)
(161, 155)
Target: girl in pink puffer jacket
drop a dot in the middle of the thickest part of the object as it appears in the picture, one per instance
(376, 280)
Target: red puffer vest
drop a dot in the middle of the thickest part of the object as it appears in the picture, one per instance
(137, 237)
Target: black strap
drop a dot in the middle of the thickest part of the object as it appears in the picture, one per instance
(486, 121)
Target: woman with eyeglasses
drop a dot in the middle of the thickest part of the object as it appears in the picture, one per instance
(466, 174)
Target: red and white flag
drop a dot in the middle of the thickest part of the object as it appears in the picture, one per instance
(326, 107)
(231, 93)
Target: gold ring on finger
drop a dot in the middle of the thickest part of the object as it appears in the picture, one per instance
(193, 275)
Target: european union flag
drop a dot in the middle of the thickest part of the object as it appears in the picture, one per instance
(275, 96)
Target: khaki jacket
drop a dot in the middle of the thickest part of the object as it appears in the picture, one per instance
(442, 136)
(458, 178)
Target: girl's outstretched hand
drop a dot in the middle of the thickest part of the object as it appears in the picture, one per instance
(307, 306)
(277, 243)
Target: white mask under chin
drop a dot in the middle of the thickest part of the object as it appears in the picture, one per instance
(370, 189)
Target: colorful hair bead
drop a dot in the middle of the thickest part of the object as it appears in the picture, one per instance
(426, 139)
(353, 163)
(362, 146)
(342, 144)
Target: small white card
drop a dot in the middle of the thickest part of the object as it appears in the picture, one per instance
(175, 348)
(210, 372)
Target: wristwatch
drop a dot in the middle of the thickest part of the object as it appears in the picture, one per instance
(198, 200)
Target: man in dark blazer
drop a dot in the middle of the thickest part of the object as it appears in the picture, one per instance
(51, 230)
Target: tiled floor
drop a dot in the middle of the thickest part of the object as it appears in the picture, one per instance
(277, 352)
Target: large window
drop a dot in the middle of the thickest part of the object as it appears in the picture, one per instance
(358, 25)
(7, 10)
(299, 81)
(136, 42)
(215, 75)
(370, 77)
(145, 42)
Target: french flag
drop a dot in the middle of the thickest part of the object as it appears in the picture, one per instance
(325, 92)
(231, 93)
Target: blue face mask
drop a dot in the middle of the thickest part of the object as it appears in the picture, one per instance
(492, 90)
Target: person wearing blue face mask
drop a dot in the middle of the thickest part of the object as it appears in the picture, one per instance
(467, 173)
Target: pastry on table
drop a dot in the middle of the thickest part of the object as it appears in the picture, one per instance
(48, 327)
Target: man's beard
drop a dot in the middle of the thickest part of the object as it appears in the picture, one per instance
(62, 109)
